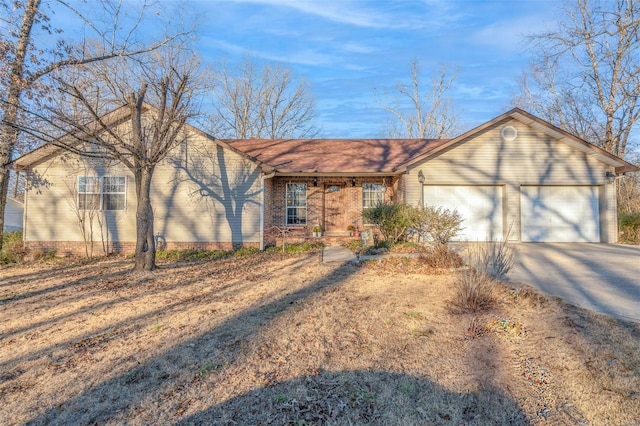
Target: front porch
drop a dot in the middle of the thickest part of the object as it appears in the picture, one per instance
(298, 204)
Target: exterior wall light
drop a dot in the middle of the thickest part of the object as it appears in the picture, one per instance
(611, 177)
(421, 177)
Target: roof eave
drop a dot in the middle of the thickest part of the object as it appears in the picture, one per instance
(335, 173)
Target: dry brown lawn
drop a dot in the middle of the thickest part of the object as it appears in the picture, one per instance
(272, 339)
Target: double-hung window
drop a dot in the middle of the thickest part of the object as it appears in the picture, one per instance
(102, 193)
(89, 193)
(372, 194)
(296, 204)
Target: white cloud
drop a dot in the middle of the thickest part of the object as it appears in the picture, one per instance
(301, 57)
(349, 12)
(508, 35)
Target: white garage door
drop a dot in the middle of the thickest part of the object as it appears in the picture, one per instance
(479, 206)
(560, 214)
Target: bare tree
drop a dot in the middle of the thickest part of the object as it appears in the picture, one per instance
(419, 112)
(86, 210)
(24, 64)
(585, 75)
(137, 135)
(92, 222)
(262, 103)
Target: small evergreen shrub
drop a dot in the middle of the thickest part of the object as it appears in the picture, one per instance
(246, 251)
(294, 248)
(191, 254)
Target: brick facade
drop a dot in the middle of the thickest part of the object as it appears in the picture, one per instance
(275, 200)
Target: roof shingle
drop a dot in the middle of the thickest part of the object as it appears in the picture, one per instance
(334, 155)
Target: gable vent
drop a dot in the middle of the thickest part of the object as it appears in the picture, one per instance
(509, 133)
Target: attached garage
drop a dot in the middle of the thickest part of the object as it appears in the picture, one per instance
(479, 205)
(560, 214)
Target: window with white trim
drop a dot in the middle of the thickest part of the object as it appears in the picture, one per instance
(372, 194)
(88, 193)
(102, 193)
(296, 204)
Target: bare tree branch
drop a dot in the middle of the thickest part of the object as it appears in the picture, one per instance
(24, 64)
(428, 115)
(585, 76)
(264, 103)
(137, 135)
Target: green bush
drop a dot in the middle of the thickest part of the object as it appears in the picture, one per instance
(12, 247)
(354, 245)
(393, 219)
(246, 251)
(629, 227)
(191, 254)
(297, 247)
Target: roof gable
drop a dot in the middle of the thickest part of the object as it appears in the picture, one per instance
(115, 117)
(537, 124)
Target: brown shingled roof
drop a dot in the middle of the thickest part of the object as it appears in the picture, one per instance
(334, 155)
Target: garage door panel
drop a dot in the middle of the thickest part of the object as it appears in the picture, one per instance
(560, 214)
(480, 207)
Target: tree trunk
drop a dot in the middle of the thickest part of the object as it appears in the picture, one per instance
(4, 186)
(145, 244)
(10, 110)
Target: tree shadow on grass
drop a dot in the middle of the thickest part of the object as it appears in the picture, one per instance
(161, 388)
(362, 397)
(159, 378)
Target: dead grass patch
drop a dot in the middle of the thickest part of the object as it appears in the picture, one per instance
(284, 339)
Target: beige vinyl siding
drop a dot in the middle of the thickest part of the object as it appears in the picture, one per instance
(13, 215)
(50, 213)
(533, 158)
(200, 193)
(207, 193)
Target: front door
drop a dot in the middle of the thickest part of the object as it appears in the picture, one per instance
(335, 208)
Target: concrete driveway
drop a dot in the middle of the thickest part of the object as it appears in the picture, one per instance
(600, 277)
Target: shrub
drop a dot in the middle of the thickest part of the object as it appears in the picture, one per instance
(12, 247)
(246, 251)
(354, 245)
(474, 290)
(486, 263)
(441, 257)
(498, 258)
(293, 248)
(190, 254)
(439, 225)
(629, 227)
(393, 219)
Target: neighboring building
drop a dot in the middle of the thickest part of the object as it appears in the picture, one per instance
(13, 212)
(515, 177)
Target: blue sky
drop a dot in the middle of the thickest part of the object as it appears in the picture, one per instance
(349, 50)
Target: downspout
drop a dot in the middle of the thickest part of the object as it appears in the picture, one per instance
(262, 179)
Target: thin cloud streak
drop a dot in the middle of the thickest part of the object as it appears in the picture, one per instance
(347, 12)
